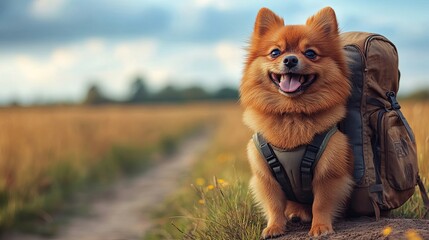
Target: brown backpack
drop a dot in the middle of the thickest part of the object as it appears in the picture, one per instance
(384, 148)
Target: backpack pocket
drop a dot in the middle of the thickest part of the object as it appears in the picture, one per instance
(395, 156)
(397, 151)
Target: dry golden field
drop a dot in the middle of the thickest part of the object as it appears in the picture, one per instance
(46, 152)
(417, 114)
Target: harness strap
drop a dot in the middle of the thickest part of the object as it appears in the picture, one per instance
(312, 154)
(275, 166)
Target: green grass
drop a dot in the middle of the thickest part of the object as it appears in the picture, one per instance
(226, 213)
(217, 211)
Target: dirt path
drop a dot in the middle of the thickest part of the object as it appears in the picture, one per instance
(366, 228)
(122, 213)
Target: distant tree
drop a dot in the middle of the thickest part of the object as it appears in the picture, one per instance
(138, 91)
(94, 96)
(194, 93)
(226, 93)
(14, 103)
(168, 94)
(421, 94)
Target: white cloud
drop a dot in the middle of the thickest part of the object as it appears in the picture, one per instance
(65, 72)
(46, 9)
(95, 45)
(232, 57)
(63, 58)
(219, 4)
(135, 50)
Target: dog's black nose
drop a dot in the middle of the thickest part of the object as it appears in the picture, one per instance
(290, 61)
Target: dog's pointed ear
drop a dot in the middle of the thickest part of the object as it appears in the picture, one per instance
(325, 21)
(265, 21)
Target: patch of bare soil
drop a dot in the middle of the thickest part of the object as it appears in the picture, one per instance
(123, 211)
(366, 228)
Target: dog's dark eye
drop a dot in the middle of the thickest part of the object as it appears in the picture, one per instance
(275, 53)
(310, 54)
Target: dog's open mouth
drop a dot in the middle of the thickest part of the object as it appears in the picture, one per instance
(291, 83)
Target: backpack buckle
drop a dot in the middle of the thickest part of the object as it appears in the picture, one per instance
(392, 99)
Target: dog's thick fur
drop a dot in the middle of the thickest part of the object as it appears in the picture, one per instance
(288, 120)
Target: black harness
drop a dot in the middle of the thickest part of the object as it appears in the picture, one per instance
(296, 180)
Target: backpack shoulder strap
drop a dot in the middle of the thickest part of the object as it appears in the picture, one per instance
(312, 154)
(275, 166)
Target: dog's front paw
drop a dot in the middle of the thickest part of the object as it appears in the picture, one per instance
(320, 230)
(273, 232)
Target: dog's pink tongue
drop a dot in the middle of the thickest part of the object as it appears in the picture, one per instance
(289, 83)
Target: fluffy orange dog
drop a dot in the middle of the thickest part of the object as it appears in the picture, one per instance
(295, 85)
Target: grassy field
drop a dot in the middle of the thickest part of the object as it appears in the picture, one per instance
(220, 207)
(46, 154)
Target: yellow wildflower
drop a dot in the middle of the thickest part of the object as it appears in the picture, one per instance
(201, 201)
(387, 231)
(200, 181)
(412, 235)
(222, 182)
(210, 187)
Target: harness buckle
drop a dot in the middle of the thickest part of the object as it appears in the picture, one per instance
(305, 163)
(274, 162)
(266, 151)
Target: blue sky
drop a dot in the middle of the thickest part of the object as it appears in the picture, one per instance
(53, 49)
